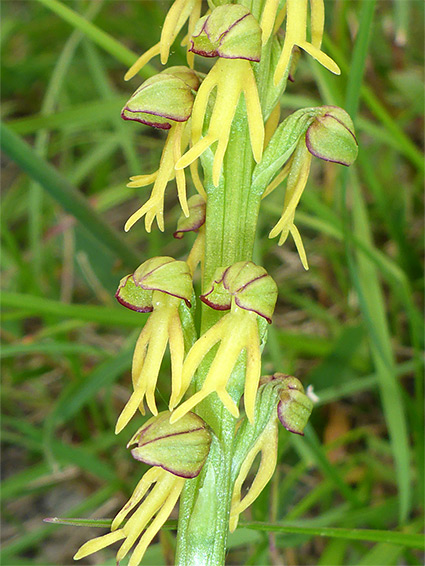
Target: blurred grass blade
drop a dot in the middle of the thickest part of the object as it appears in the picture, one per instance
(100, 523)
(67, 196)
(366, 281)
(78, 117)
(90, 313)
(404, 539)
(103, 39)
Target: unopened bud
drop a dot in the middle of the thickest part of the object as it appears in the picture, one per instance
(180, 448)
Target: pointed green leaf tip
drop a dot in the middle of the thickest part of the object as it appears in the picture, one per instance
(163, 99)
(230, 31)
(294, 407)
(331, 136)
(249, 285)
(163, 274)
(180, 448)
(196, 218)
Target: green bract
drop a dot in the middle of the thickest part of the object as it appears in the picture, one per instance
(230, 31)
(181, 448)
(163, 274)
(163, 99)
(331, 136)
(249, 285)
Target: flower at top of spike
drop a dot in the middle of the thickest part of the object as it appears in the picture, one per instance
(178, 14)
(237, 331)
(162, 286)
(232, 75)
(286, 394)
(230, 31)
(296, 36)
(163, 99)
(249, 285)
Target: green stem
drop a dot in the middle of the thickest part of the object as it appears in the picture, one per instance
(230, 232)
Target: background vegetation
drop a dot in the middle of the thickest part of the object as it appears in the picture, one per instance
(351, 326)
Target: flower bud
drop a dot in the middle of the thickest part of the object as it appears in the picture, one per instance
(180, 448)
(331, 136)
(163, 99)
(294, 407)
(249, 285)
(196, 218)
(163, 274)
(230, 31)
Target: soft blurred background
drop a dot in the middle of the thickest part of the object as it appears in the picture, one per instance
(350, 326)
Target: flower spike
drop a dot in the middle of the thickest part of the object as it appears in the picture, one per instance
(296, 36)
(159, 285)
(180, 12)
(248, 291)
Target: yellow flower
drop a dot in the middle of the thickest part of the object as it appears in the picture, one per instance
(158, 285)
(178, 14)
(250, 293)
(236, 332)
(177, 140)
(297, 170)
(164, 101)
(232, 77)
(296, 36)
(156, 507)
(266, 444)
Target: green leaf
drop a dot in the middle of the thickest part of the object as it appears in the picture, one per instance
(394, 537)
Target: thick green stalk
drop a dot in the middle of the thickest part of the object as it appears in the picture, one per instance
(230, 231)
(231, 221)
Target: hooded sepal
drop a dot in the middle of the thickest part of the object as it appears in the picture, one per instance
(181, 448)
(163, 99)
(294, 408)
(163, 274)
(248, 285)
(230, 31)
(331, 136)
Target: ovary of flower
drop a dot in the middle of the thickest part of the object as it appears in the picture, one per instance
(267, 445)
(156, 506)
(296, 36)
(176, 141)
(232, 77)
(178, 14)
(236, 331)
(163, 326)
(299, 168)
